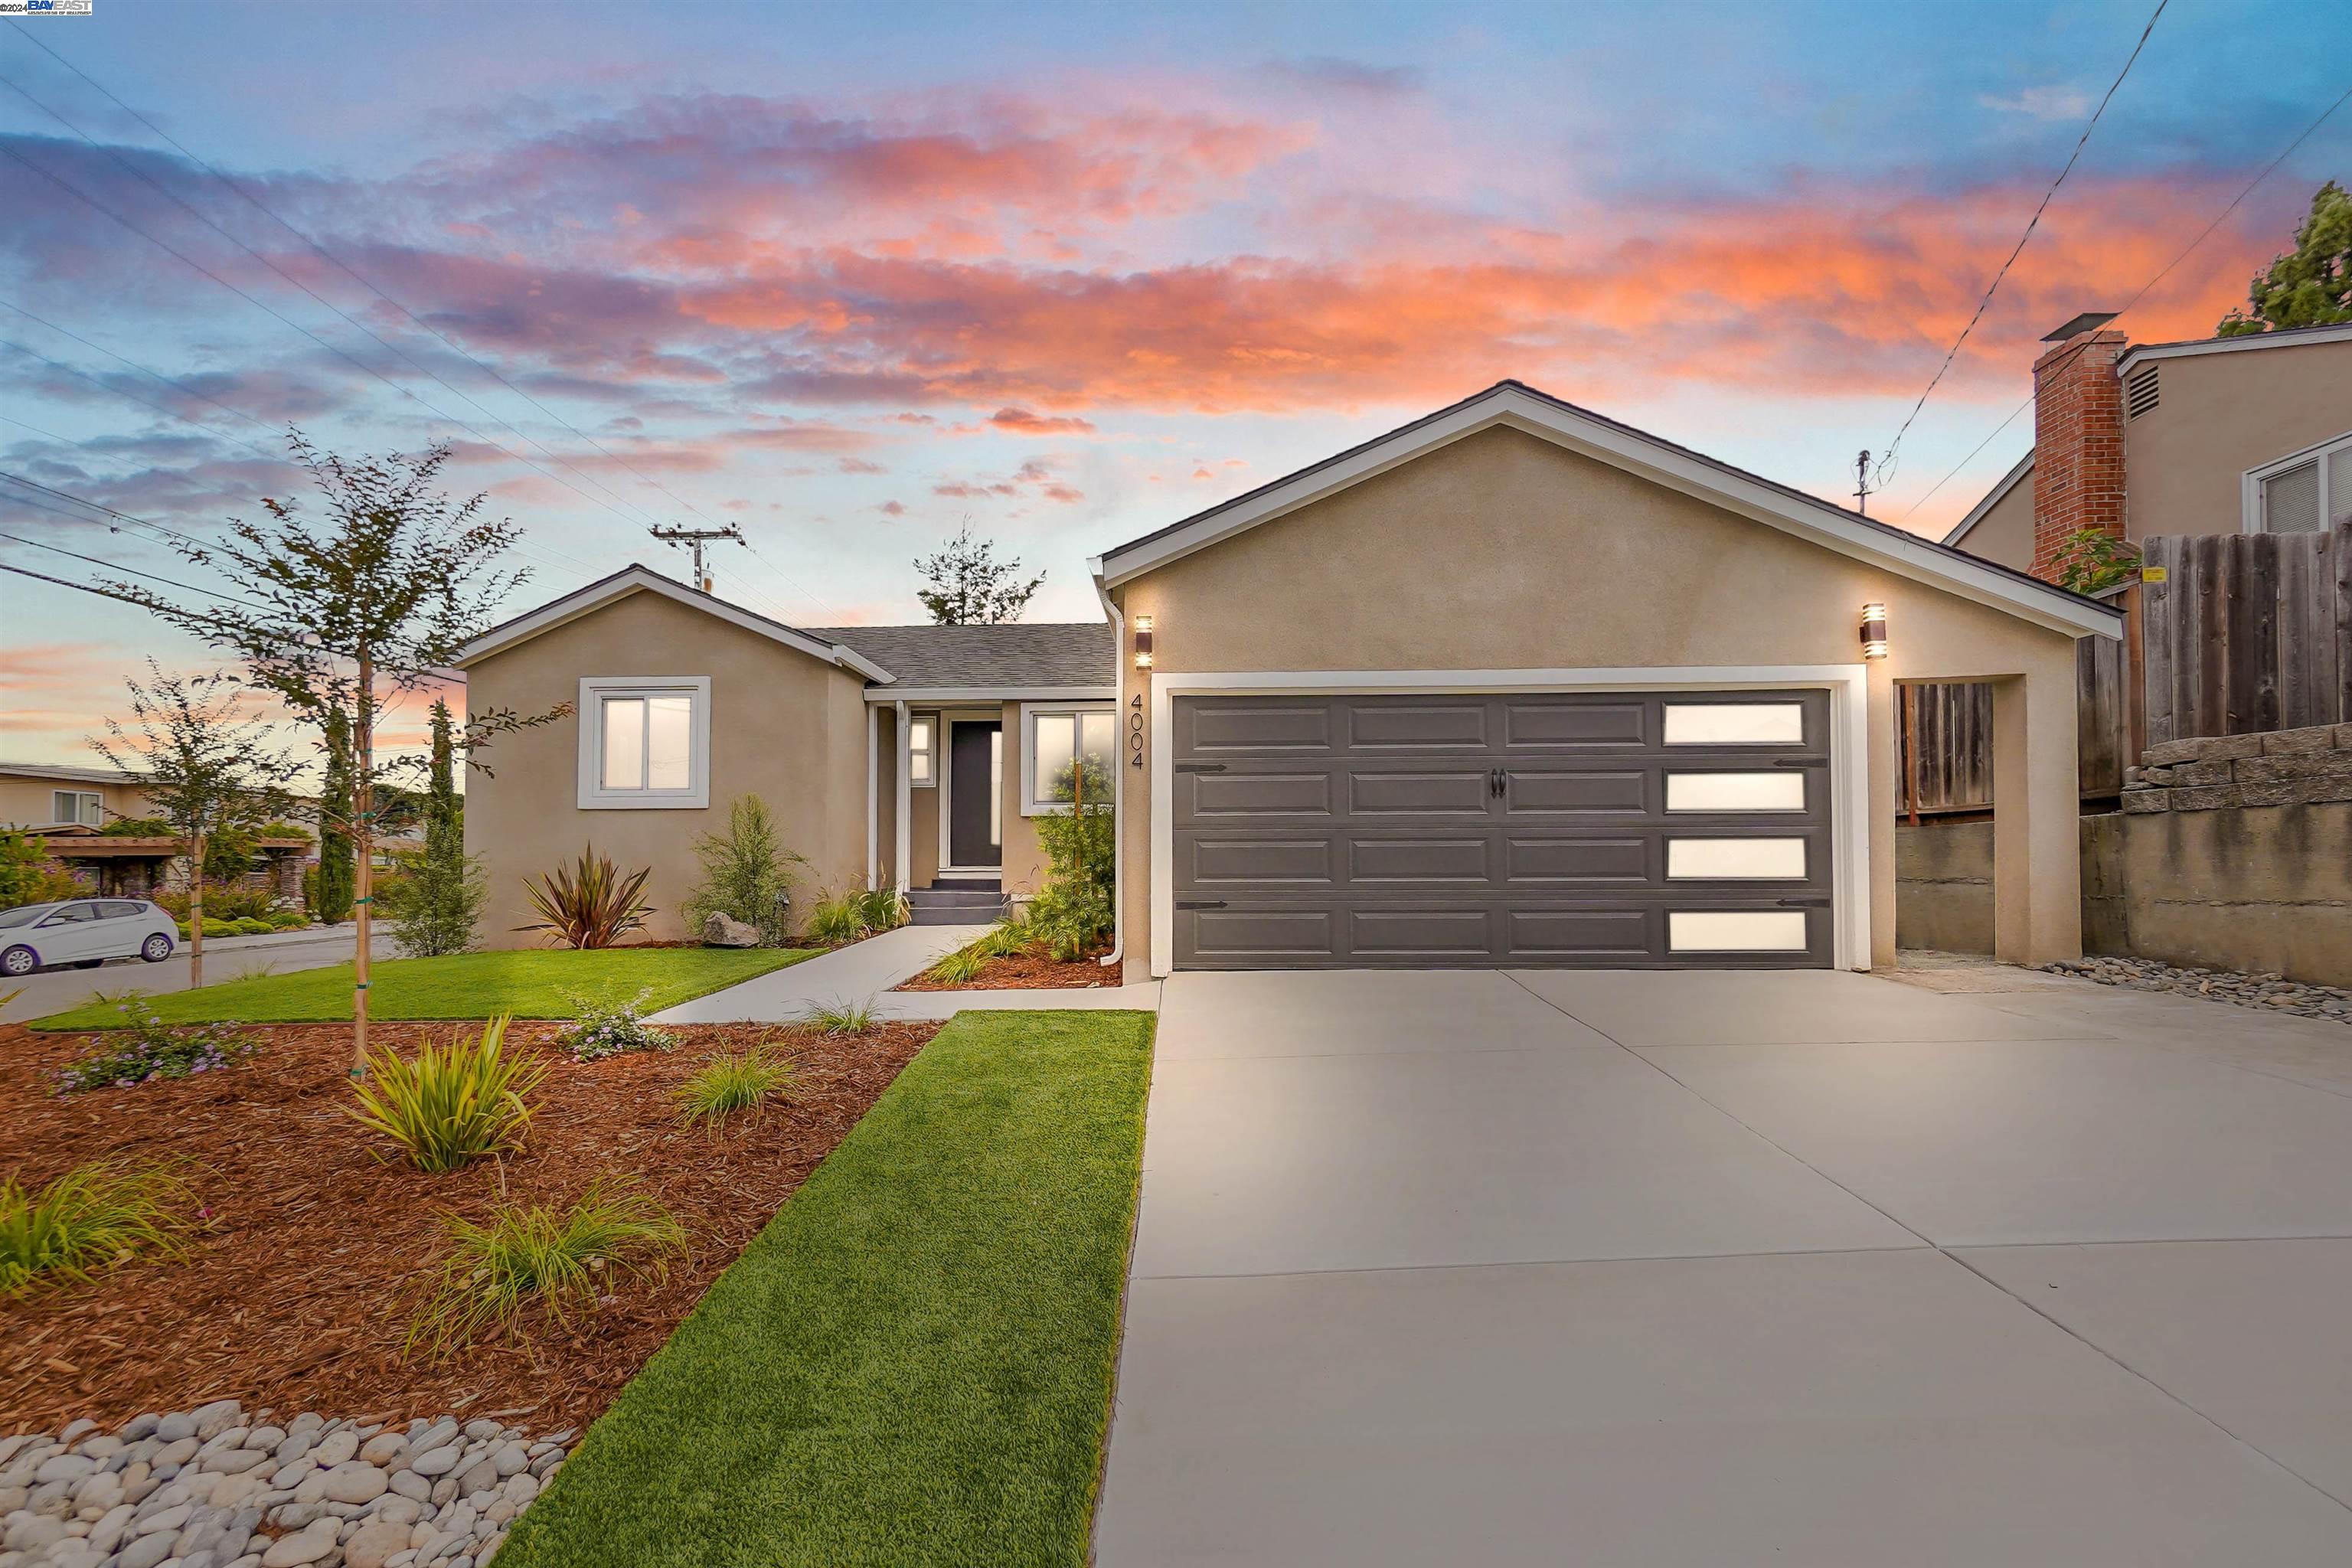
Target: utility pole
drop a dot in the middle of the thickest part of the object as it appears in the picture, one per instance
(1862, 482)
(695, 538)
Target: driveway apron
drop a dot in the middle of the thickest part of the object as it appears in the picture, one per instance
(1644, 1268)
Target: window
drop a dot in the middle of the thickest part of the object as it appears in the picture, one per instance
(922, 752)
(1735, 723)
(1743, 859)
(2309, 492)
(1736, 792)
(645, 742)
(1736, 931)
(1054, 737)
(83, 806)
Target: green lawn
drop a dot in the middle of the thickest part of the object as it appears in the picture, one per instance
(911, 1365)
(535, 984)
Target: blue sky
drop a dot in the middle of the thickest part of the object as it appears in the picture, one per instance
(846, 276)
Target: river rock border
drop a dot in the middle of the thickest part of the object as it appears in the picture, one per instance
(217, 1487)
(2271, 993)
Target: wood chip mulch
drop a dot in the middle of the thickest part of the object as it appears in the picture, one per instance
(1032, 971)
(299, 1293)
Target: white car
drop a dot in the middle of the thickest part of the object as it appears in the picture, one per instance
(84, 932)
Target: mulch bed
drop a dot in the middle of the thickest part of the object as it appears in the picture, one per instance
(1032, 971)
(299, 1293)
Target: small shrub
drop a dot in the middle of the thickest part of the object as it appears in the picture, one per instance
(149, 1049)
(601, 1029)
(251, 926)
(221, 902)
(89, 1220)
(27, 875)
(747, 873)
(840, 1018)
(288, 919)
(960, 967)
(561, 1261)
(837, 919)
(590, 907)
(882, 908)
(453, 1103)
(732, 1081)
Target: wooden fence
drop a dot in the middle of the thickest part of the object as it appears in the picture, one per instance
(2241, 633)
(2246, 633)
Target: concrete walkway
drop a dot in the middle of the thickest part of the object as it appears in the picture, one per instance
(865, 971)
(1721, 1270)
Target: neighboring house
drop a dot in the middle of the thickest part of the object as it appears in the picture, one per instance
(905, 756)
(1512, 685)
(45, 795)
(2249, 434)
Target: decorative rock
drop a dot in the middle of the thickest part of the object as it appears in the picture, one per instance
(482, 1430)
(29, 1532)
(481, 1477)
(335, 1448)
(138, 1427)
(511, 1459)
(237, 1462)
(373, 1545)
(720, 930)
(411, 1485)
(296, 1446)
(75, 1429)
(436, 1462)
(301, 1548)
(384, 1448)
(64, 1467)
(355, 1481)
(146, 1551)
(211, 1420)
(2272, 993)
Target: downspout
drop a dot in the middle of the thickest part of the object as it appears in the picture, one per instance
(1117, 954)
(873, 796)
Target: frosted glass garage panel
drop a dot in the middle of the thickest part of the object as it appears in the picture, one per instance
(1736, 931)
(1735, 723)
(1736, 859)
(1777, 791)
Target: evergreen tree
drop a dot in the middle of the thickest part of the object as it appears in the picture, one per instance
(442, 888)
(335, 880)
(970, 587)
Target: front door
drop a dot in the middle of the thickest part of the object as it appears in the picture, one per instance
(975, 790)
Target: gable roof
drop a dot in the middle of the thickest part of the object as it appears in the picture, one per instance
(64, 773)
(1013, 657)
(635, 579)
(2278, 338)
(1993, 499)
(1522, 408)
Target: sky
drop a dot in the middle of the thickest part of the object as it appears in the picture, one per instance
(850, 276)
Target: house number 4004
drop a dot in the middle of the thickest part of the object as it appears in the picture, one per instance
(1135, 730)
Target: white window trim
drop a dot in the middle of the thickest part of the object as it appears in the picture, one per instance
(593, 689)
(80, 797)
(1029, 805)
(2251, 519)
(1849, 744)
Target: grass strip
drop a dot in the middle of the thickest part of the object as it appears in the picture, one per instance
(539, 982)
(911, 1365)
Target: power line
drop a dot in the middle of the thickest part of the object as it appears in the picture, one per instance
(1886, 464)
(337, 262)
(2207, 233)
(116, 566)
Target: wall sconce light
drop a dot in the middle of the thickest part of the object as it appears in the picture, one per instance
(1874, 631)
(1143, 642)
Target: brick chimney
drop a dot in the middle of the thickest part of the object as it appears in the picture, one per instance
(2078, 439)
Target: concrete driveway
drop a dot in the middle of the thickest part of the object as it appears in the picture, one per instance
(1718, 1268)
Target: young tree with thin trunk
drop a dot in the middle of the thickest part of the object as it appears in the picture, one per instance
(207, 763)
(339, 620)
(331, 901)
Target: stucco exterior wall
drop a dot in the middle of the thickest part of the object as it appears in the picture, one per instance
(25, 802)
(785, 726)
(2218, 414)
(1504, 551)
(2005, 533)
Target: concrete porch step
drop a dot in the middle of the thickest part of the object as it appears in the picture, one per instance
(956, 903)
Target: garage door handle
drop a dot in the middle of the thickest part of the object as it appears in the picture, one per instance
(1200, 903)
(1800, 763)
(1200, 767)
(1803, 903)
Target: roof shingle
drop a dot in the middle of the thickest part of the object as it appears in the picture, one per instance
(1015, 656)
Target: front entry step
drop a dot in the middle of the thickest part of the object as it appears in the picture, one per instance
(956, 903)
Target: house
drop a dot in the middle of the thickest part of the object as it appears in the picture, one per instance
(46, 795)
(1514, 684)
(905, 756)
(2241, 434)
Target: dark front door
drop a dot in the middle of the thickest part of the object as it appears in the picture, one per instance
(1601, 829)
(975, 766)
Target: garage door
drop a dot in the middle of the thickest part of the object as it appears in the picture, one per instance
(1607, 830)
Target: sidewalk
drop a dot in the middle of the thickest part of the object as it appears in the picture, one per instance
(865, 971)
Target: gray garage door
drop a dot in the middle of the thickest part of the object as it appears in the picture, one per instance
(1607, 830)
